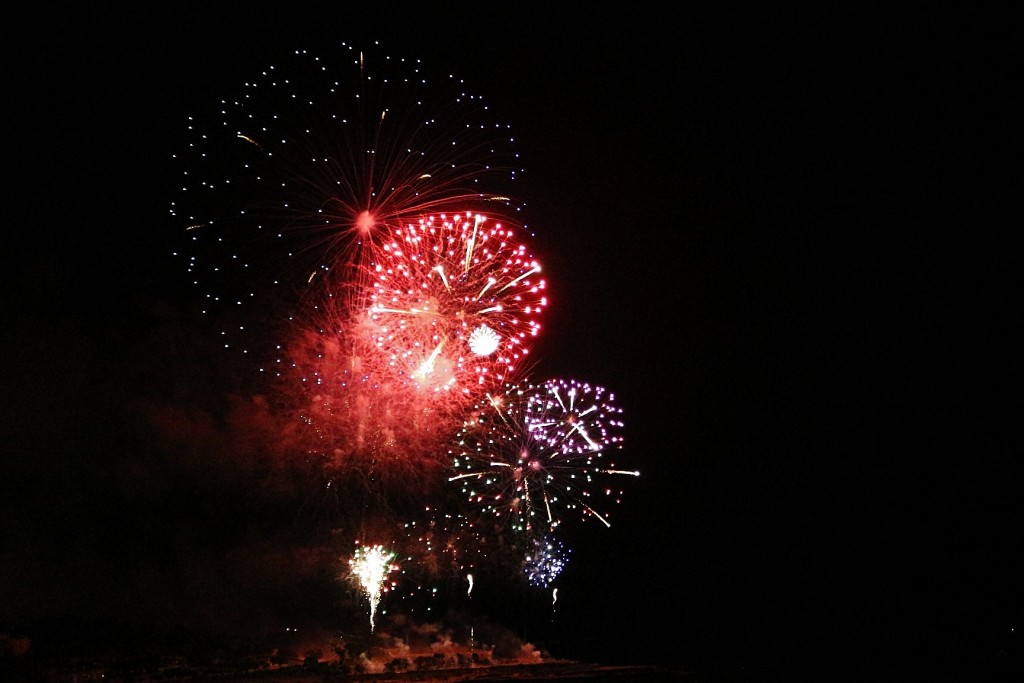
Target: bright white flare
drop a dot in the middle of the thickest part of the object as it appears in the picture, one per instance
(484, 341)
(370, 567)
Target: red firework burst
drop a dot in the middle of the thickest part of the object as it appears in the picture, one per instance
(455, 305)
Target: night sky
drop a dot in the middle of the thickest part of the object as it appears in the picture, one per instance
(785, 242)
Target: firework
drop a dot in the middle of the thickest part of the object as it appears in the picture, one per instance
(455, 303)
(314, 203)
(453, 307)
(574, 417)
(545, 561)
(439, 552)
(359, 423)
(370, 567)
(293, 184)
(351, 230)
(446, 548)
(532, 483)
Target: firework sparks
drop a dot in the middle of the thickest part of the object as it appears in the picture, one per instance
(544, 561)
(352, 233)
(370, 567)
(456, 303)
(450, 547)
(574, 417)
(296, 182)
(511, 468)
(361, 423)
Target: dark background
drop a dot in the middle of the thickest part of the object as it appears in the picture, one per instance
(786, 241)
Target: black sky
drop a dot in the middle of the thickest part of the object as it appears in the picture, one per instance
(786, 242)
